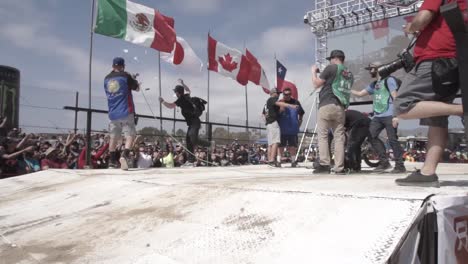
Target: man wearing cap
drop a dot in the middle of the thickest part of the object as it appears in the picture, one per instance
(193, 121)
(383, 91)
(336, 82)
(271, 112)
(118, 86)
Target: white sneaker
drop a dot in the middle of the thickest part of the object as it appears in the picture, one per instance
(123, 163)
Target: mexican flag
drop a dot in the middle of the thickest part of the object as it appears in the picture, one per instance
(135, 23)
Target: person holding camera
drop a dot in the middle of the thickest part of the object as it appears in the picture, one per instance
(118, 86)
(426, 97)
(188, 112)
(336, 82)
(384, 92)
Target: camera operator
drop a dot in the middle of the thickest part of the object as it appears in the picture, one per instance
(118, 86)
(383, 91)
(424, 98)
(336, 80)
(188, 112)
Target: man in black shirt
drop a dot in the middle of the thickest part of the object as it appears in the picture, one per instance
(271, 112)
(357, 128)
(193, 121)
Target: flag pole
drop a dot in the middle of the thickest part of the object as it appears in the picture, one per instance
(88, 122)
(160, 94)
(276, 73)
(208, 81)
(246, 105)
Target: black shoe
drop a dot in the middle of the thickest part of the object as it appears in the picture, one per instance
(321, 169)
(294, 164)
(341, 172)
(274, 164)
(383, 166)
(418, 179)
(399, 169)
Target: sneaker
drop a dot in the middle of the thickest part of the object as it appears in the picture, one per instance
(341, 172)
(187, 164)
(321, 169)
(418, 179)
(383, 166)
(274, 164)
(399, 169)
(123, 163)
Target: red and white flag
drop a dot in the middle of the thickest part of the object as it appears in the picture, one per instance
(257, 74)
(227, 61)
(380, 28)
(292, 86)
(183, 56)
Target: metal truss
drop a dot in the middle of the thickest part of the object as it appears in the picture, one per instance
(327, 18)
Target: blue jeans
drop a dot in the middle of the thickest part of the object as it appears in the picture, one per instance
(376, 126)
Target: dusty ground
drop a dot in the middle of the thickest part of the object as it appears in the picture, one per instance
(251, 214)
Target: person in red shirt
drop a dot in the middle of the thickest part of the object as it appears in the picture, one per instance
(94, 157)
(52, 161)
(417, 98)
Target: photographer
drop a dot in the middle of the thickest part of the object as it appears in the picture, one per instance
(337, 81)
(188, 112)
(118, 86)
(425, 97)
(383, 91)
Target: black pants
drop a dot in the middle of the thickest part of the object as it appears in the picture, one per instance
(356, 136)
(192, 137)
(376, 126)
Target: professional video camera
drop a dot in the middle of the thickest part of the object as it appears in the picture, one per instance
(405, 60)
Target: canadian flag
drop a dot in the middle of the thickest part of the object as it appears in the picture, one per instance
(183, 56)
(257, 74)
(227, 61)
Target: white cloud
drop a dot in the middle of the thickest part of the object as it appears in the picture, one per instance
(199, 7)
(285, 41)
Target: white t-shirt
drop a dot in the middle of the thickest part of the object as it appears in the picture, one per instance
(144, 161)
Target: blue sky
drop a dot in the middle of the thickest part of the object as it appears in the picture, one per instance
(48, 41)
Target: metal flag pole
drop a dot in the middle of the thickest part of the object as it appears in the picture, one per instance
(88, 121)
(208, 81)
(246, 106)
(160, 93)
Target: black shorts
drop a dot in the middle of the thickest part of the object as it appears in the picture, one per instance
(417, 87)
(289, 141)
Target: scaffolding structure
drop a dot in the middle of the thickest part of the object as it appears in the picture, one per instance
(328, 17)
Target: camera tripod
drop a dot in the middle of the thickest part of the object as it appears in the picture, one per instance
(314, 106)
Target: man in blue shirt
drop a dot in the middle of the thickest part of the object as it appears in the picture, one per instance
(118, 86)
(383, 92)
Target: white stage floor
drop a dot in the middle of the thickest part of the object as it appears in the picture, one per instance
(248, 214)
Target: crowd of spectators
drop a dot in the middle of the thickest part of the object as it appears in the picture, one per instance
(22, 153)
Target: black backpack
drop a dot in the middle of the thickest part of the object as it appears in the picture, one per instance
(198, 105)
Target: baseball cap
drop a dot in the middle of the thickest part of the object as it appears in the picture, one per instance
(336, 54)
(118, 61)
(374, 64)
(274, 90)
(179, 89)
